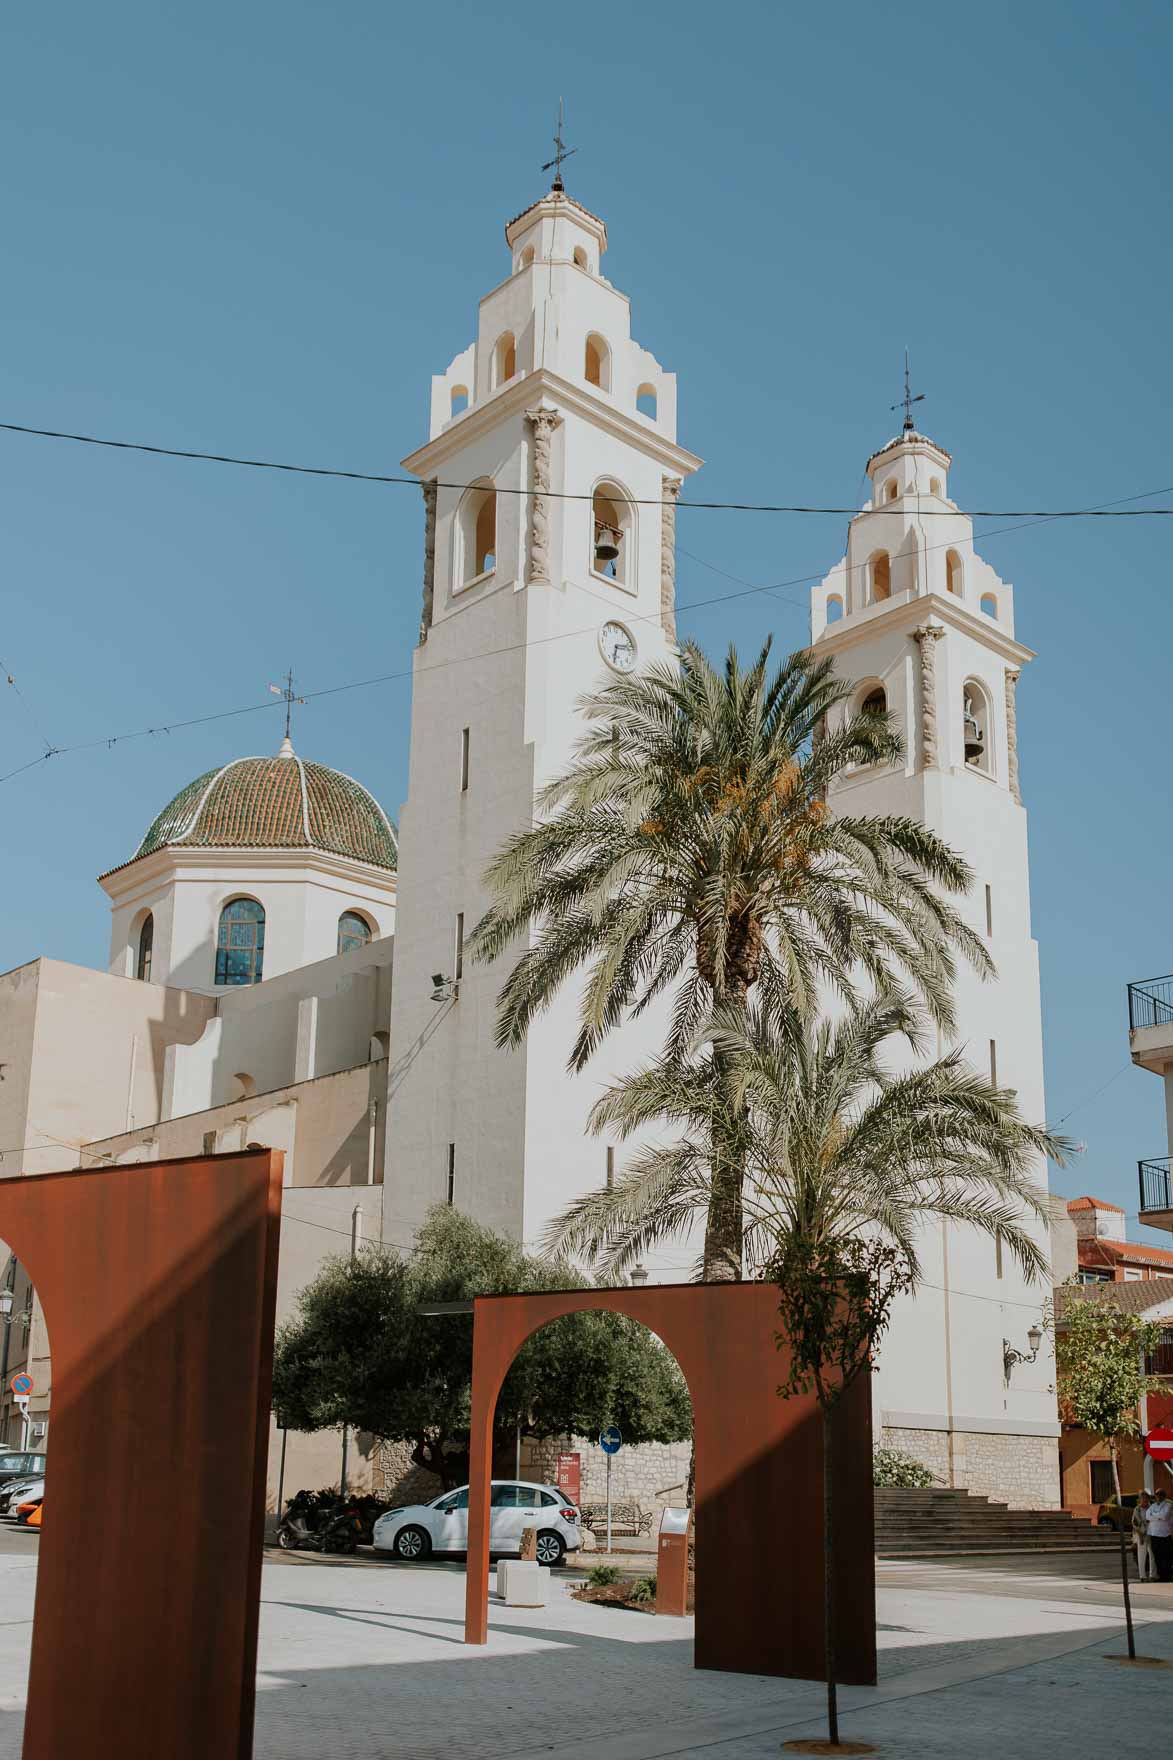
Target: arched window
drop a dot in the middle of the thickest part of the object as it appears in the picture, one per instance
(989, 605)
(646, 401)
(597, 367)
(834, 608)
(246, 1087)
(581, 257)
(146, 946)
(880, 569)
(477, 534)
(353, 931)
(934, 485)
(459, 399)
(611, 532)
(874, 701)
(240, 945)
(891, 489)
(527, 257)
(953, 572)
(380, 1045)
(504, 359)
(976, 727)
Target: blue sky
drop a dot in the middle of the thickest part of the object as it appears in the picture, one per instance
(259, 229)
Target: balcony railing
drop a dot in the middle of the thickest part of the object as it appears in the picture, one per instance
(1160, 1361)
(1156, 1188)
(1150, 1003)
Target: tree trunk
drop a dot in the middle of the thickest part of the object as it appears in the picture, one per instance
(829, 1570)
(1123, 1552)
(725, 1227)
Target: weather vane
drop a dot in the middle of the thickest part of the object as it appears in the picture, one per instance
(561, 151)
(907, 401)
(286, 690)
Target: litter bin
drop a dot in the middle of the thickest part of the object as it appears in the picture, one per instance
(672, 1561)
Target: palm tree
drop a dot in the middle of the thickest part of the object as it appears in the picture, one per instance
(837, 1144)
(688, 848)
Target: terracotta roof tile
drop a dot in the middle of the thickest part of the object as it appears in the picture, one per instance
(1130, 1298)
(1094, 1204)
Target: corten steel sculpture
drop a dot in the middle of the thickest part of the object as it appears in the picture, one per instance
(159, 1284)
(758, 1528)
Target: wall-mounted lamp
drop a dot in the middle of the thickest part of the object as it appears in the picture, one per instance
(444, 989)
(1010, 1356)
(7, 1302)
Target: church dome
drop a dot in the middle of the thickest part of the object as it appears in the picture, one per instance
(276, 803)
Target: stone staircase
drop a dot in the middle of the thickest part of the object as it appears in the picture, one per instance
(940, 1523)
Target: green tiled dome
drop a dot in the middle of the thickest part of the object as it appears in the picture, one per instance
(276, 803)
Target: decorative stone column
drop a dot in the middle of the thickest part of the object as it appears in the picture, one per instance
(671, 486)
(926, 638)
(543, 422)
(1012, 677)
(429, 489)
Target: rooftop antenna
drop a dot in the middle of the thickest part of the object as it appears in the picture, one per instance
(286, 690)
(561, 152)
(907, 401)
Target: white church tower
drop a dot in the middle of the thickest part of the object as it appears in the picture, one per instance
(549, 482)
(925, 629)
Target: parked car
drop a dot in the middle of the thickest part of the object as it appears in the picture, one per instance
(13, 1490)
(1117, 1512)
(16, 1463)
(442, 1525)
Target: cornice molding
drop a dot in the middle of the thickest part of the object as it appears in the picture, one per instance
(169, 862)
(907, 614)
(521, 393)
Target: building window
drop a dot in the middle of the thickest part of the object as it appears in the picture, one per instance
(451, 1193)
(240, 945)
(611, 533)
(834, 608)
(353, 931)
(646, 401)
(527, 257)
(610, 1167)
(975, 728)
(953, 573)
(1091, 1275)
(459, 400)
(875, 701)
(1103, 1482)
(581, 259)
(477, 534)
(464, 736)
(504, 359)
(989, 605)
(989, 911)
(993, 1064)
(891, 489)
(880, 570)
(146, 945)
(998, 1252)
(597, 364)
(934, 485)
(458, 950)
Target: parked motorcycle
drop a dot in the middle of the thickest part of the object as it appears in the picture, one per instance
(314, 1524)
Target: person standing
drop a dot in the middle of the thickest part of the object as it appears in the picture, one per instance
(1145, 1568)
(1160, 1530)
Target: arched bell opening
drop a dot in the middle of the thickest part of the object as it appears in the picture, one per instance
(976, 729)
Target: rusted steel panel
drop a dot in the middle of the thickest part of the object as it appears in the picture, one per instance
(159, 1284)
(758, 1527)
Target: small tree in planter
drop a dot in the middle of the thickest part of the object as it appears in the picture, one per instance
(835, 1302)
(1100, 1356)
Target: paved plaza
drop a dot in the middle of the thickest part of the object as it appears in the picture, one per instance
(364, 1661)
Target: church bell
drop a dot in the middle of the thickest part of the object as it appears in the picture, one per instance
(606, 543)
(975, 740)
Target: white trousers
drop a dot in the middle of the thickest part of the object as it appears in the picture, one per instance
(1144, 1560)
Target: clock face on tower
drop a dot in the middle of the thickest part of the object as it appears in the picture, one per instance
(617, 646)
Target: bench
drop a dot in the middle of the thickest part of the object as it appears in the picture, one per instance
(627, 1519)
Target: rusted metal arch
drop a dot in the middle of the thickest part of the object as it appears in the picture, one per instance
(759, 1530)
(159, 1285)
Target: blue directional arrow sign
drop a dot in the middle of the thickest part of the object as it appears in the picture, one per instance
(610, 1440)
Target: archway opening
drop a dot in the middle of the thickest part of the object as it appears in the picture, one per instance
(610, 533)
(880, 569)
(597, 365)
(953, 579)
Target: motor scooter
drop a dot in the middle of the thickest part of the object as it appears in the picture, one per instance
(310, 1525)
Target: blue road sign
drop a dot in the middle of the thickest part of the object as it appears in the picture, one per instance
(610, 1441)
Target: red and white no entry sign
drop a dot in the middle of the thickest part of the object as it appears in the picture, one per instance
(1159, 1443)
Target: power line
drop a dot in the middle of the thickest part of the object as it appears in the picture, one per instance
(1108, 510)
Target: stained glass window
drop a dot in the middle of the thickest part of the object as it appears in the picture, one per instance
(353, 931)
(240, 945)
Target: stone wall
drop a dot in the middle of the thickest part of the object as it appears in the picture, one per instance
(1022, 1471)
(653, 1475)
(395, 1475)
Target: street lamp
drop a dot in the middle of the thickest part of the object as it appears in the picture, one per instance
(1010, 1356)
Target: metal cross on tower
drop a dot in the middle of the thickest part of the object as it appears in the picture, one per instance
(287, 691)
(561, 151)
(907, 401)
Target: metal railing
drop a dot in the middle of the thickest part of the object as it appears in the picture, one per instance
(1155, 1185)
(1160, 1361)
(1150, 1003)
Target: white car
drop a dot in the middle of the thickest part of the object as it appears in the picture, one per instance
(442, 1525)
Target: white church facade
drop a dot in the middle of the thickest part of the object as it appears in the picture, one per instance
(286, 969)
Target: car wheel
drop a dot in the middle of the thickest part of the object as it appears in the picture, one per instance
(412, 1544)
(551, 1548)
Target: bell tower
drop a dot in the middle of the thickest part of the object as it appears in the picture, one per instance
(925, 629)
(549, 479)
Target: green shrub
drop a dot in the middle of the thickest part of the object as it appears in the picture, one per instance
(600, 1576)
(891, 1466)
(644, 1589)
